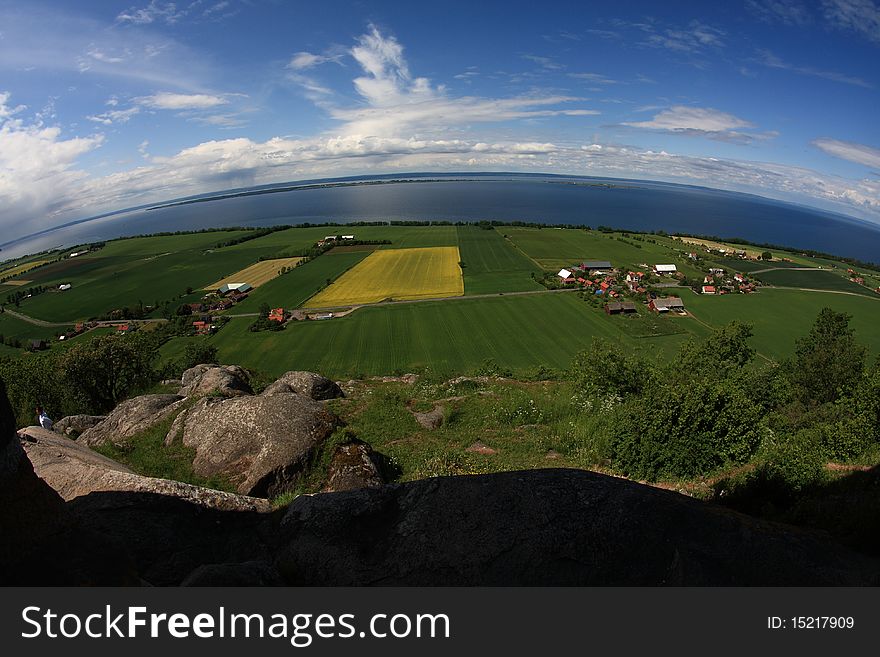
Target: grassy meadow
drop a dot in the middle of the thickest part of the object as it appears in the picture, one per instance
(490, 263)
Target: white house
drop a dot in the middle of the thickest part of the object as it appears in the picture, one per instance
(665, 269)
(348, 237)
(65, 286)
(564, 274)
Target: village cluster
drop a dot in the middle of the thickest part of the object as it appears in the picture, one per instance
(618, 287)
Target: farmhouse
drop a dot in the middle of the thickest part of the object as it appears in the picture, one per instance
(236, 288)
(593, 266)
(276, 315)
(618, 307)
(666, 304)
(665, 269)
(709, 289)
(37, 345)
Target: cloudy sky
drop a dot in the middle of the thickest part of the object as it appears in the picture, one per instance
(105, 105)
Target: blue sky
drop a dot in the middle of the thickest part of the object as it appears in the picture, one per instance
(105, 105)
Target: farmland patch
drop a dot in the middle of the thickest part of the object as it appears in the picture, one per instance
(399, 274)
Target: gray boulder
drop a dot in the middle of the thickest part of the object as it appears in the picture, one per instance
(261, 444)
(548, 528)
(74, 425)
(130, 418)
(432, 419)
(352, 466)
(305, 383)
(222, 380)
(73, 470)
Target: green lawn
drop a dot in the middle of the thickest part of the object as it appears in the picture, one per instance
(491, 264)
(453, 337)
(291, 290)
(817, 279)
(779, 316)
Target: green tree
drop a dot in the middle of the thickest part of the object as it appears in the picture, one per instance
(766, 256)
(604, 369)
(828, 362)
(108, 369)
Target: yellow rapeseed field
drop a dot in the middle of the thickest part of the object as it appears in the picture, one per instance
(257, 274)
(21, 269)
(398, 274)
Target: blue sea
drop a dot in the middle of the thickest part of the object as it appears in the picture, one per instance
(634, 205)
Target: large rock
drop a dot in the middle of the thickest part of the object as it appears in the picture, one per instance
(73, 470)
(352, 466)
(130, 418)
(220, 380)
(74, 425)
(169, 535)
(547, 527)
(305, 383)
(41, 542)
(262, 444)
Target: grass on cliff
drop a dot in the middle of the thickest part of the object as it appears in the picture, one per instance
(146, 454)
(489, 425)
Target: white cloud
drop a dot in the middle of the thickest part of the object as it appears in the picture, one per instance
(847, 150)
(701, 122)
(694, 38)
(770, 60)
(302, 61)
(170, 101)
(593, 78)
(155, 11)
(114, 116)
(37, 167)
(790, 12)
(546, 63)
(862, 16)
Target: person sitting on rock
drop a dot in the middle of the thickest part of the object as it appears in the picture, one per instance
(43, 418)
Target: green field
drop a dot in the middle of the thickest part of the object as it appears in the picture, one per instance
(553, 248)
(455, 336)
(491, 264)
(292, 289)
(817, 279)
(16, 328)
(779, 316)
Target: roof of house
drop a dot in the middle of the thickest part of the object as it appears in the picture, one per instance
(668, 302)
(708, 288)
(665, 268)
(564, 273)
(237, 287)
(596, 264)
(621, 305)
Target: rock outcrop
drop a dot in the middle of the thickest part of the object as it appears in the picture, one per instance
(547, 527)
(261, 444)
(130, 418)
(352, 466)
(221, 380)
(305, 383)
(41, 542)
(74, 470)
(73, 425)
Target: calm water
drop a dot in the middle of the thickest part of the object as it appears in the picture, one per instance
(637, 206)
